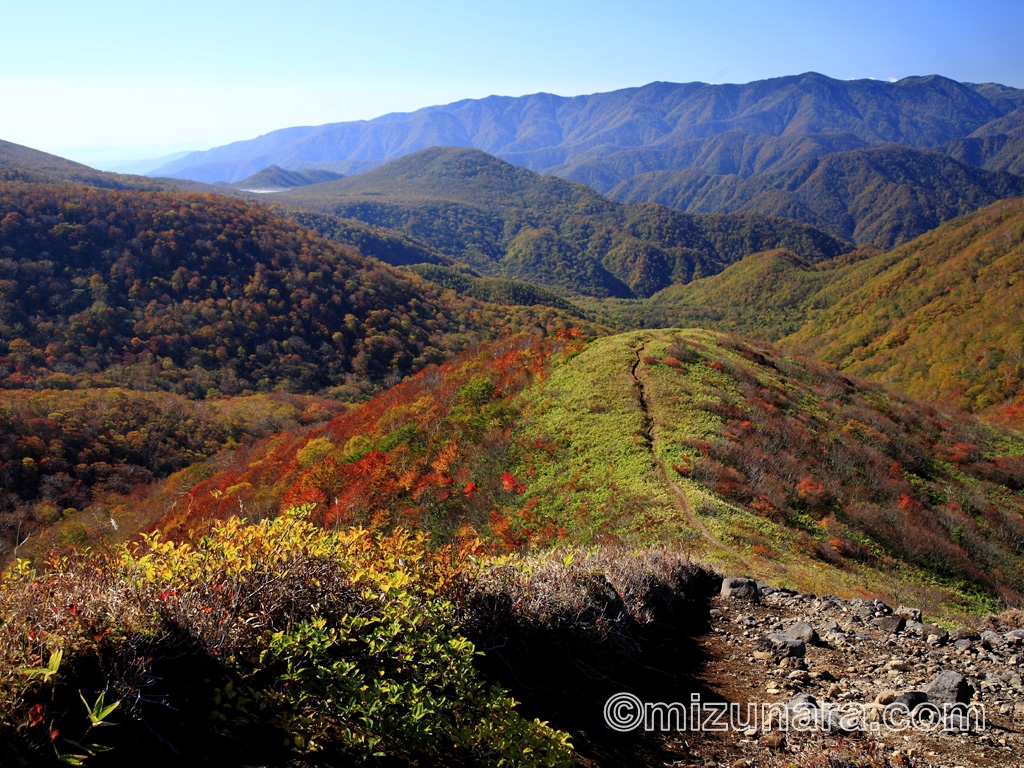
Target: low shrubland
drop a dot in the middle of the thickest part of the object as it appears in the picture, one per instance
(274, 640)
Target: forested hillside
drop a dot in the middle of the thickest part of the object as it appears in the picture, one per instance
(19, 163)
(509, 222)
(201, 294)
(62, 451)
(939, 317)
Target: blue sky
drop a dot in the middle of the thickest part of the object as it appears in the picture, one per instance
(109, 73)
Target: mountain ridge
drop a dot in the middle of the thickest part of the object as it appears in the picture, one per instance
(507, 221)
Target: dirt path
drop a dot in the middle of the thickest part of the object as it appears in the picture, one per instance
(678, 494)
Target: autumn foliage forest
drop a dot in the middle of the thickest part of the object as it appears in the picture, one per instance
(208, 294)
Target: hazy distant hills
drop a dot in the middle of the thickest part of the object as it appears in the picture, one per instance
(509, 222)
(757, 127)
(881, 196)
(273, 177)
(20, 163)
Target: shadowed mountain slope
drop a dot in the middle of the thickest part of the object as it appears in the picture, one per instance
(880, 197)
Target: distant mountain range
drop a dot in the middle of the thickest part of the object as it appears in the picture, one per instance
(606, 138)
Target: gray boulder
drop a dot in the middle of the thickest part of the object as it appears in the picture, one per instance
(931, 631)
(743, 589)
(966, 634)
(782, 646)
(949, 687)
(803, 631)
(992, 638)
(889, 624)
(910, 699)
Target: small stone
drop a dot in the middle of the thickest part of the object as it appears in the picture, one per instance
(910, 614)
(782, 646)
(833, 691)
(804, 700)
(885, 697)
(931, 631)
(956, 722)
(774, 739)
(831, 628)
(716, 614)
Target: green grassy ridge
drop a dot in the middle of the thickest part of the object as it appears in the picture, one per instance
(598, 476)
(787, 470)
(507, 221)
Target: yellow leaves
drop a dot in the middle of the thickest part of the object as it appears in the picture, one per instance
(20, 570)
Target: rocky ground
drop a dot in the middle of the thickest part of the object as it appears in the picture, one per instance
(821, 654)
